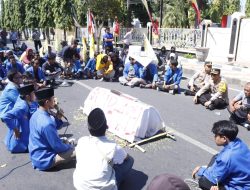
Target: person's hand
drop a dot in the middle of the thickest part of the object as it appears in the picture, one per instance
(207, 103)
(214, 188)
(248, 116)
(17, 133)
(232, 108)
(128, 79)
(195, 171)
(153, 85)
(192, 88)
(195, 99)
(59, 114)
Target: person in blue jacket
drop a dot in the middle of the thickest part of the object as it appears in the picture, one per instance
(132, 72)
(14, 64)
(46, 149)
(89, 70)
(172, 79)
(149, 76)
(17, 121)
(37, 73)
(230, 168)
(77, 67)
(10, 93)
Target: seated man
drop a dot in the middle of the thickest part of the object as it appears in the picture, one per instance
(214, 95)
(17, 120)
(101, 163)
(89, 70)
(37, 73)
(14, 64)
(10, 93)
(52, 69)
(199, 79)
(172, 79)
(172, 51)
(228, 169)
(104, 68)
(117, 64)
(46, 149)
(149, 76)
(239, 107)
(77, 68)
(131, 73)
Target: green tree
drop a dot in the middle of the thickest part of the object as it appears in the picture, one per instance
(80, 11)
(103, 11)
(18, 15)
(32, 13)
(46, 17)
(8, 11)
(223, 7)
(248, 8)
(176, 13)
(63, 14)
(2, 14)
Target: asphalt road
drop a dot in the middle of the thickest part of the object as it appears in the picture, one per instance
(190, 123)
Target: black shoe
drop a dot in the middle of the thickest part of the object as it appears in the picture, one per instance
(211, 107)
(132, 86)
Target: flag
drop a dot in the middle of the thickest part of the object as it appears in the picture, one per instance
(196, 8)
(155, 23)
(91, 33)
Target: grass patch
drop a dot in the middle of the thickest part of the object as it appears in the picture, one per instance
(189, 56)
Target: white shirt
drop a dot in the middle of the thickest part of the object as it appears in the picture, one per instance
(128, 38)
(92, 169)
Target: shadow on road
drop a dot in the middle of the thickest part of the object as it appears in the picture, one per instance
(136, 180)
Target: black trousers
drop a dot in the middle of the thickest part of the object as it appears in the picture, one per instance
(204, 183)
(37, 44)
(216, 104)
(191, 93)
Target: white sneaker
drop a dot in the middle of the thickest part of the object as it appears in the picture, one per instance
(101, 79)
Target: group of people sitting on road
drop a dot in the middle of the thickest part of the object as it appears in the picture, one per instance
(27, 108)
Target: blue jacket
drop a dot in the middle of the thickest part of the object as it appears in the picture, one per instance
(19, 67)
(231, 167)
(19, 118)
(173, 77)
(150, 73)
(135, 69)
(8, 98)
(90, 66)
(3, 72)
(41, 75)
(44, 142)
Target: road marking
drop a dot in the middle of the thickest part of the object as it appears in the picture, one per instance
(192, 141)
(84, 85)
(176, 133)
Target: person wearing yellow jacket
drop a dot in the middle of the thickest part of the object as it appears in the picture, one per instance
(104, 67)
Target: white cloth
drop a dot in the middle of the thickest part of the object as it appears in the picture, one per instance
(92, 169)
(128, 38)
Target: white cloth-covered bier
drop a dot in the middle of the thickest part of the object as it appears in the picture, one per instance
(127, 117)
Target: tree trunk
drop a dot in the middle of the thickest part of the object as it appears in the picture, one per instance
(99, 32)
(64, 34)
(47, 35)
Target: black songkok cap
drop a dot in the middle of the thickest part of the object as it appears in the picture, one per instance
(26, 89)
(97, 119)
(44, 93)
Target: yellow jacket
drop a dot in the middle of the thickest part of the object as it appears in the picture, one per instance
(107, 67)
